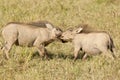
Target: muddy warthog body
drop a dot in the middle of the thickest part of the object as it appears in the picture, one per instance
(89, 43)
(29, 35)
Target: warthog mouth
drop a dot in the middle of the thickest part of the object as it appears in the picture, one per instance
(58, 36)
(63, 41)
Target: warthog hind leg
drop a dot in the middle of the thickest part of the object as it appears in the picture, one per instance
(6, 49)
(106, 52)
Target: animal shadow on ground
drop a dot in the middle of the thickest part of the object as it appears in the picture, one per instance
(58, 56)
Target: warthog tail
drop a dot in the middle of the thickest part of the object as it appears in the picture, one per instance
(111, 45)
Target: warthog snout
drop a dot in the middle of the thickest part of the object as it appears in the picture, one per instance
(58, 32)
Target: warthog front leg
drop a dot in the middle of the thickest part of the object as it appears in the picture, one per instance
(41, 48)
(76, 51)
(42, 51)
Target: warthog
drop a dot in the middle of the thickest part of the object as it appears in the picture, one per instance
(89, 42)
(33, 34)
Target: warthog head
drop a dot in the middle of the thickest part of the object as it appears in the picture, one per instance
(55, 32)
(69, 34)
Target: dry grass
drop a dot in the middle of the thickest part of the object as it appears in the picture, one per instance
(26, 64)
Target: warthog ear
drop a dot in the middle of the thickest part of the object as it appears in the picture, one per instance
(79, 30)
(49, 26)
